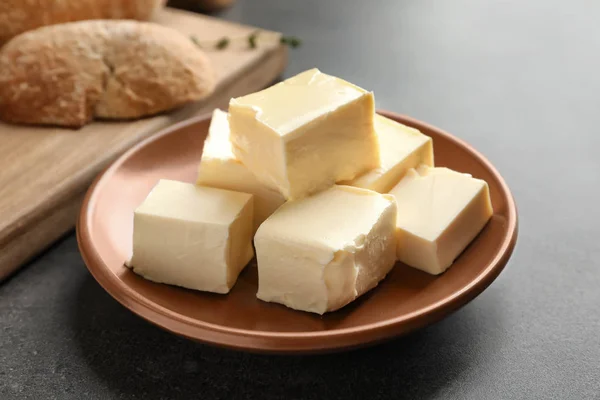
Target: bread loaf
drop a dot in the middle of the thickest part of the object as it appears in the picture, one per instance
(68, 74)
(17, 16)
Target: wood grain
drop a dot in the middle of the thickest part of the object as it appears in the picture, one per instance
(44, 172)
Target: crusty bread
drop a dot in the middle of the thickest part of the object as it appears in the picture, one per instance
(17, 16)
(69, 73)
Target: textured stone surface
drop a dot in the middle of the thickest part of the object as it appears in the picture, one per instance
(519, 81)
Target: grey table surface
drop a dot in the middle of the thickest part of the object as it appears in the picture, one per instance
(517, 79)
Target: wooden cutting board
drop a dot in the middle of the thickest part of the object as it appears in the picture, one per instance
(45, 172)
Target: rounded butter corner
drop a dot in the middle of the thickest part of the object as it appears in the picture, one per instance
(390, 197)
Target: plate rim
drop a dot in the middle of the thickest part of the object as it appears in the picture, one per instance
(288, 342)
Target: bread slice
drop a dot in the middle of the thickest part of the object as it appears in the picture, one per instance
(18, 16)
(67, 74)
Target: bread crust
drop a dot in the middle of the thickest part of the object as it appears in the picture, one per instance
(68, 74)
(17, 16)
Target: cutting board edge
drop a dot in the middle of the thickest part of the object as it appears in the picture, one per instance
(39, 237)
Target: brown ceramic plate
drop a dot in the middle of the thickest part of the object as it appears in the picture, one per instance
(406, 300)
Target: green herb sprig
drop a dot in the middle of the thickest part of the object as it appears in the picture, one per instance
(251, 40)
(222, 43)
(291, 41)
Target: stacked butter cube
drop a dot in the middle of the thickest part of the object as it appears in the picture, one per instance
(330, 193)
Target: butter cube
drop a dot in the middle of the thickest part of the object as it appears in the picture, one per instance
(401, 148)
(190, 236)
(440, 212)
(221, 169)
(302, 135)
(319, 253)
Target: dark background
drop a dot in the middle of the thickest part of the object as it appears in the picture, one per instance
(517, 79)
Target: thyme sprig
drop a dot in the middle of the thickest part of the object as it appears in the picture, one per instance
(251, 41)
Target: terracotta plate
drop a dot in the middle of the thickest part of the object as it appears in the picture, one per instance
(406, 300)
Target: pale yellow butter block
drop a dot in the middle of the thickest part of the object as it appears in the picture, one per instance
(440, 212)
(221, 169)
(401, 148)
(319, 253)
(302, 135)
(191, 236)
